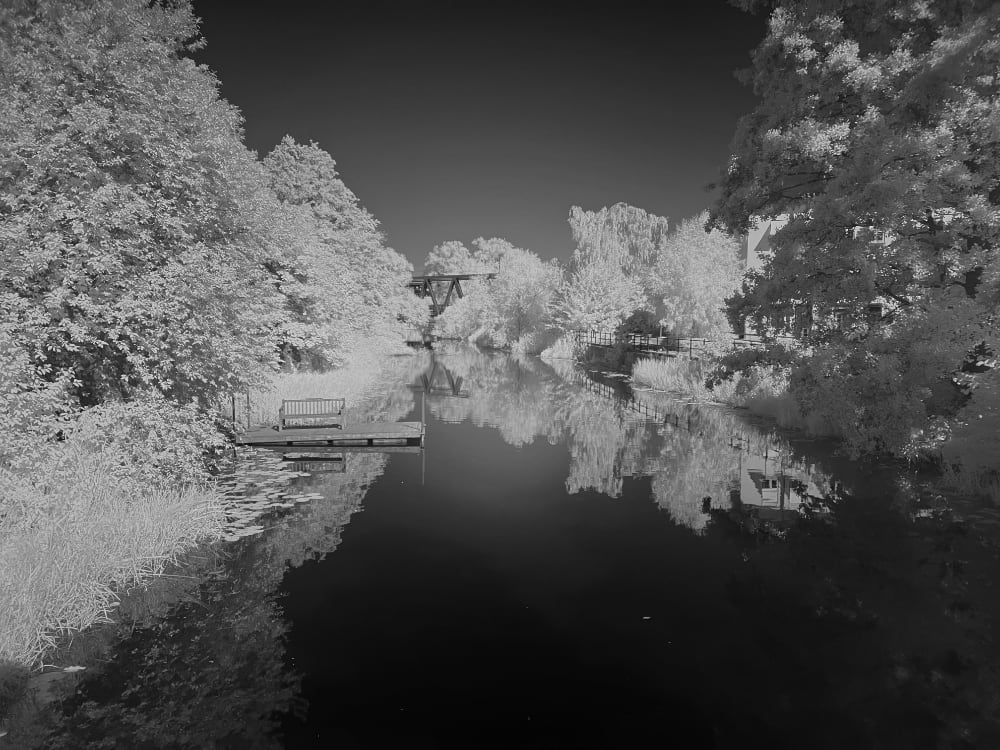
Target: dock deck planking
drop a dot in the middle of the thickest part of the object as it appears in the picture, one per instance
(369, 435)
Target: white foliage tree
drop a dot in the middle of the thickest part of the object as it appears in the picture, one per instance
(694, 272)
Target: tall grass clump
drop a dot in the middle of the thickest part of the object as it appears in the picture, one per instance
(60, 571)
(108, 503)
(565, 347)
(762, 390)
(673, 374)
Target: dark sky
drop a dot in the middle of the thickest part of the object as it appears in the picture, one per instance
(452, 120)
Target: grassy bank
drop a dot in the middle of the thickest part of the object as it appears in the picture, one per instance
(109, 506)
(763, 392)
(114, 503)
(63, 574)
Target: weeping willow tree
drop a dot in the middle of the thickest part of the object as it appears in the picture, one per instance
(623, 235)
(610, 267)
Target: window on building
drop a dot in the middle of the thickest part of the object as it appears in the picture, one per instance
(803, 320)
(875, 313)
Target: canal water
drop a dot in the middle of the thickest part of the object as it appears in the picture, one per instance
(566, 564)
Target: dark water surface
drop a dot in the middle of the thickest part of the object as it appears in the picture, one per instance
(564, 568)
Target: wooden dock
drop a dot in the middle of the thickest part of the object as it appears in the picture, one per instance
(374, 435)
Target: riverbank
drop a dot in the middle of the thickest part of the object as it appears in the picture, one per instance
(118, 502)
(111, 504)
(763, 392)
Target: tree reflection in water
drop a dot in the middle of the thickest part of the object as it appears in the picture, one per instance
(876, 587)
(699, 457)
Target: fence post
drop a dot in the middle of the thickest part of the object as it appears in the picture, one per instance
(248, 408)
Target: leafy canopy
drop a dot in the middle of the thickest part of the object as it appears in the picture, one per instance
(132, 221)
(695, 270)
(341, 284)
(878, 116)
(610, 267)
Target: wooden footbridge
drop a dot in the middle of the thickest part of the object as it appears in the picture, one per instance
(441, 287)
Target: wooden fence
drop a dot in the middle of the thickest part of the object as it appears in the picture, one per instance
(672, 346)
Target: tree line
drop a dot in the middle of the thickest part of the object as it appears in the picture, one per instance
(877, 121)
(628, 268)
(144, 249)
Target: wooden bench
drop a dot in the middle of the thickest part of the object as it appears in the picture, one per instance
(310, 409)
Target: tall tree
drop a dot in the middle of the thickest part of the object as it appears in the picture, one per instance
(454, 257)
(342, 284)
(695, 270)
(622, 234)
(597, 296)
(610, 267)
(508, 307)
(522, 290)
(878, 116)
(131, 235)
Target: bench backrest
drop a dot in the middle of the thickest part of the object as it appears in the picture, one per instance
(309, 408)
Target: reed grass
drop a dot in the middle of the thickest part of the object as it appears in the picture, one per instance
(674, 375)
(565, 347)
(762, 391)
(82, 522)
(117, 502)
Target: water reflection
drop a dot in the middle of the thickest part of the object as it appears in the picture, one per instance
(699, 458)
(813, 602)
(862, 585)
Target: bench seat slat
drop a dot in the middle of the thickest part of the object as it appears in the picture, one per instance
(309, 408)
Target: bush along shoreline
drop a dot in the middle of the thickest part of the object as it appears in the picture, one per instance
(117, 495)
(95, 504)
(144, 282)
(767, 383)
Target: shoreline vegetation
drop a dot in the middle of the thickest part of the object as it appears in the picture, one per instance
(93, 518)
(97, 513)
(153, 265)
(762, 390)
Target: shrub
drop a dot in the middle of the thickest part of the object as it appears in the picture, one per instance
(672, 374)
(156, 442)
(565, 347)
(32, 409)
(535, 342)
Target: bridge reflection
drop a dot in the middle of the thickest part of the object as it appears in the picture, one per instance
(440, 381)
